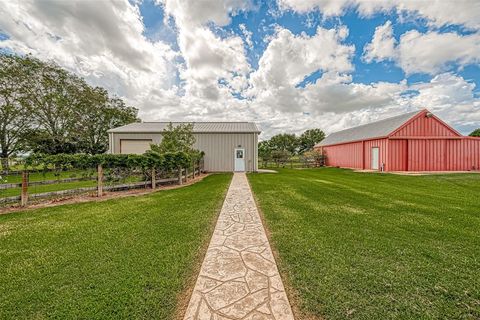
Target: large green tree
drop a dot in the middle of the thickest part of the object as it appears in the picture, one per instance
(475, 133)
(309, 139)
(44, 108)
(55, 104)
(97, 114)
(284, 142)
(15, 118)
(264, 150)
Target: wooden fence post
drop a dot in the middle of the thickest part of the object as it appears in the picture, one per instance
(186, 174)
(180, 176)
(99, 180)
(193, 171)
(154, 179)
(24, 196)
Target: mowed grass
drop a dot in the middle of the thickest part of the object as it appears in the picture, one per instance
(118, 259)
(376, 246)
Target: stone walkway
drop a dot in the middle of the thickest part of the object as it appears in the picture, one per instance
(239, 277)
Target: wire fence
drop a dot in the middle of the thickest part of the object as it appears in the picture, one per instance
(24, 187)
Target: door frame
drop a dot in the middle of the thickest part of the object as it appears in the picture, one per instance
(378, 158)
(235, 160)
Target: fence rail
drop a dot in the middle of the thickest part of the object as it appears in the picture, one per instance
(156, 179)
(45, 182)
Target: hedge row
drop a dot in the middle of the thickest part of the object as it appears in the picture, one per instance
(149, 160)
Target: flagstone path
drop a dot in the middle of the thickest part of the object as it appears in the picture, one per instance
(239, 277)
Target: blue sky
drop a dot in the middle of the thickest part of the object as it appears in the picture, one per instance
(289, 65)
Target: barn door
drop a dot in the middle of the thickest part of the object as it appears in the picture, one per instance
(375, 158)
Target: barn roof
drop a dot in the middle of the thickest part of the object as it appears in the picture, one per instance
(198, 127)
(376, 129)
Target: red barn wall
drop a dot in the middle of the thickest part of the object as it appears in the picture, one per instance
(426, 127)
(382, 144)
(397, 156)
(347, 155)
(351, 155)
(461, 154)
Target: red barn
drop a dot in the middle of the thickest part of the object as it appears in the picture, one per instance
(416, 141)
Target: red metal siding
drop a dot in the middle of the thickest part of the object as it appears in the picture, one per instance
(434, 155)
(397, 155)
(382, 145)
(462, 155)
(344, 155)
(426, 127)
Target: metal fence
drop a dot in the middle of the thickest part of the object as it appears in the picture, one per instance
(35, 185)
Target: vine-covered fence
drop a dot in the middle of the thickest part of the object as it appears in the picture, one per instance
(50, 177)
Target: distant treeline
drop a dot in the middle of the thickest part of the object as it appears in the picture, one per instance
(285, 145)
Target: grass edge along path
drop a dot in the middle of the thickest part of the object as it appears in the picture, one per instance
(120, 258)
(375, 246)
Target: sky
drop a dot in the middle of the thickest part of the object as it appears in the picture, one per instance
(289, 65)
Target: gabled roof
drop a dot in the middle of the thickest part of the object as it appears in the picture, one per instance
(198, 127)
(371, 130)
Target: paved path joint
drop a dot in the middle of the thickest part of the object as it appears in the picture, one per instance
(239, 277)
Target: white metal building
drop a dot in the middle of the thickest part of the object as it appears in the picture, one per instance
(228, 146)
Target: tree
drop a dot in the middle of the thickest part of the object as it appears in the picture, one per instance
(475, 133)
(309, 139)
(99, 113)
(176, 138)
(15, 120)
(284, 142)
(55, 101)
(44, 108)
(265, 151)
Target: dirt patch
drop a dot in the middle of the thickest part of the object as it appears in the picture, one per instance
(91, 197)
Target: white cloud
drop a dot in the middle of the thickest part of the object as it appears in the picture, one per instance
(101, 41)
(438, 13)
(209, 59)
(198, 13)
(104, 42)
(382, 46)
(247, 34)
(289, 58)
(430, 52)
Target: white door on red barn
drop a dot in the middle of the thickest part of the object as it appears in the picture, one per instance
(375, 158)
(239, 159)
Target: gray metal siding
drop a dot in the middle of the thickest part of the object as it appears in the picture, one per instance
(218, 148)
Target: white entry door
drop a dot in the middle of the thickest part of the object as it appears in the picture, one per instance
(375, 158)
(239, 159)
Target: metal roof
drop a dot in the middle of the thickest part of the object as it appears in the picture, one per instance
(376, 129)
(198, 127)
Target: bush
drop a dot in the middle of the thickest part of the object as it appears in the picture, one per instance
(314, 157)
(168, 161)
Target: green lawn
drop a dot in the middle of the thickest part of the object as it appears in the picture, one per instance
(118, 259)
(376, 246)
